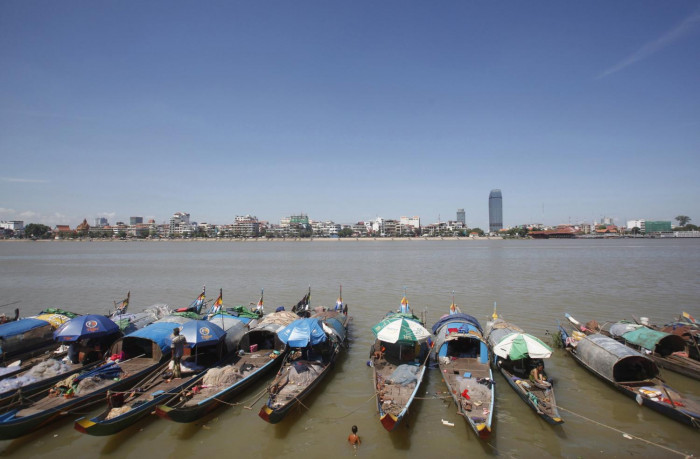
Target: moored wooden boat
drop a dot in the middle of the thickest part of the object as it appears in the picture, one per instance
(463, 359)
(630, 372)
(516, 367)
(142, 352)
(398, 359)
(133, 403)
(314, 345)
(669, 351)
(260, 350)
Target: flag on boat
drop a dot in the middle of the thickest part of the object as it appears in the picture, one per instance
(199, 302)
(216, 307)
(304, 303)
(688, 317)
(404, 305)
(121, 309)
(259, 306)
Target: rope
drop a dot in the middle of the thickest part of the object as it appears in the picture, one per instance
(625, 433)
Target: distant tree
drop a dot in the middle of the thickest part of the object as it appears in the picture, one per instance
(636, 230)
(683, 220)
(345, 232)
(121, 234)
(36, 230)
(522, 232)
(479, 231)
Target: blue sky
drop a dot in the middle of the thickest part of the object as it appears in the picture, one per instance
(349, 110)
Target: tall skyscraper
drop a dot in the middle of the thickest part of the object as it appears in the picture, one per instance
(461, 217)
(495, 211)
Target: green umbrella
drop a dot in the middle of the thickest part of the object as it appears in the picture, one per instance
(401, 330)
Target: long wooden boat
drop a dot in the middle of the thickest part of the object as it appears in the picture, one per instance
(537, 395)
(463, 359)
(139, 400)
(398, 368)
(260, 351)
(669, 351)
(144, 351)
(630, 372)
(309, 361)
(47, 369)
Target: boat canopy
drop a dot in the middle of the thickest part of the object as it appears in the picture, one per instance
(499, 329)
(337, 326)
(462, 337)
(615, 361)
(660, 342)
(24, 335)
(302, 332)
(174, 319)
(267, 329)
(152, 341)
(21, 326)
(454, 318)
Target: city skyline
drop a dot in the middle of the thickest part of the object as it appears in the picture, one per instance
(575, 111)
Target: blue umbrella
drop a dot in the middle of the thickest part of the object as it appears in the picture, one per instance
(201, 333)
(301, 332)
(90, 326)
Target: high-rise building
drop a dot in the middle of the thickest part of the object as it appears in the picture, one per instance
(100, 222)
(135, 220)
(462, 217)
(495, 211)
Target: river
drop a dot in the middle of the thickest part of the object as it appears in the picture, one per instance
(533, 282)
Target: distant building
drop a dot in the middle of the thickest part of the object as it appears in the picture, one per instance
(101, 222)
(409, 225)
(135, 221)
(461, 217)
(180, 224)
(495, 211)
(12, 225)
(246, 226)
(657, 227)
(641, 224)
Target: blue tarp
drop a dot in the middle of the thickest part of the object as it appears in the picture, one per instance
(337, 326)
(301, 332)
(20, 326)
(460, 317)
(158, 332)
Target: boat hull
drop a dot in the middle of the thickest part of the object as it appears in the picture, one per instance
(193, 413)
(686, 417)
(13, 427)
(551, 419)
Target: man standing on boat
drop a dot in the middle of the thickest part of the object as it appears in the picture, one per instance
(177, 348)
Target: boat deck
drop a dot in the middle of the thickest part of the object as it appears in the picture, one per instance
(293, 379)
(217, 379)
(477, 406)
(129, 367)
(392, 398)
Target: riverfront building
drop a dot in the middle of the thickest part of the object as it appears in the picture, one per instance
(462, 217)
(495, 211)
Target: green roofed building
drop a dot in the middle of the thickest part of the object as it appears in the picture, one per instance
(656, 227)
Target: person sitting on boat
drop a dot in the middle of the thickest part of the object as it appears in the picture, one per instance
(537, 374)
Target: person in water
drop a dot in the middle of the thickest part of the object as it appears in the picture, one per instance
(353, 438)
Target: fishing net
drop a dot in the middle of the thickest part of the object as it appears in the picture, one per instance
(115, 412)
(43, 370)
(279, 318)
(221, 377)
(303, 373)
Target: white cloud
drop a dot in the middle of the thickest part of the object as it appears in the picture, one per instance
(685, 27)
